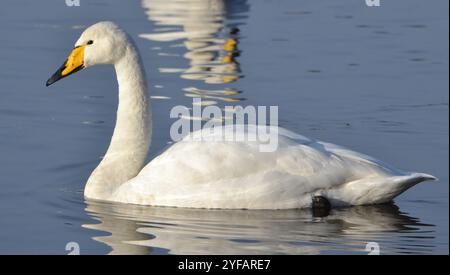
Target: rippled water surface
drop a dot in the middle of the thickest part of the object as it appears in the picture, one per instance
(372, 79)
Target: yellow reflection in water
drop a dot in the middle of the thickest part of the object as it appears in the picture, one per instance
(201, 27)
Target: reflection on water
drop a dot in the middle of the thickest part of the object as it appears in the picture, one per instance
(154, 230)
(209, 32)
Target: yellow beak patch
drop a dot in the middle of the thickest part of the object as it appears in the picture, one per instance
(74, 61)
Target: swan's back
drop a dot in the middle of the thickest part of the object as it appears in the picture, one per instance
(212, 173)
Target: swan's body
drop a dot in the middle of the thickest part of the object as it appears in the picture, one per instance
(218, 174)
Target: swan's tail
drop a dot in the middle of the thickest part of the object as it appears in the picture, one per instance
(396, 185)
(373, 190)
(419, 177)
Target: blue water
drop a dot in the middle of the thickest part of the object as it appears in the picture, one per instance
(372, 79)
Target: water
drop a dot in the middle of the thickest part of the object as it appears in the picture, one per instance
(372, 79)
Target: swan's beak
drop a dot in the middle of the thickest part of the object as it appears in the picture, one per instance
(73, 64)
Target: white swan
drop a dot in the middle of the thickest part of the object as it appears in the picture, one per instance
(217, 174)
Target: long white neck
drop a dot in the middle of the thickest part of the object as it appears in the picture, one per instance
(132, 134)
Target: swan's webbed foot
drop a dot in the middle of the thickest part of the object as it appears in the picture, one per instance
(320, 206)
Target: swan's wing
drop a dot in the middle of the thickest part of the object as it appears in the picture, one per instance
(357, 157)
(204, 156)
(220, 174)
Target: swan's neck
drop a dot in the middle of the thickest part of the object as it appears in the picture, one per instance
(131, 138)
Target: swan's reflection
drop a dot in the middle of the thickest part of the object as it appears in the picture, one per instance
(210, 40)
(146, 230)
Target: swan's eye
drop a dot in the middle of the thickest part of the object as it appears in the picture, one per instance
(90, 42)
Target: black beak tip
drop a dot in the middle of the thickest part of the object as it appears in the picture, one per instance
(59, 75)
(55, 77)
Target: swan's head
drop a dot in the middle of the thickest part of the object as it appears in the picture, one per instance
(101, 43)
